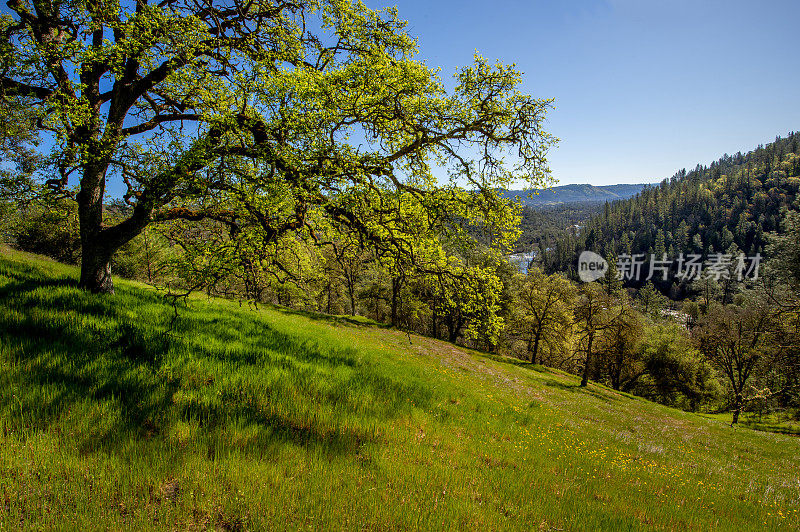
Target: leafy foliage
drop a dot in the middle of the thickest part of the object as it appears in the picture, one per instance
(261, 117)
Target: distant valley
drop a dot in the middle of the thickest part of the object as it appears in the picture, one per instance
(583, 193)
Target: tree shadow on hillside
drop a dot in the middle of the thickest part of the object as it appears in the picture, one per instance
(573, 387)
(335, 319)
(28, 280)
(576, 388)
(511, 361)
(258, 340)
(95, 356)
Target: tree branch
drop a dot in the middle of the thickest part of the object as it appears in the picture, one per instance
(16, 88)
(159, 119)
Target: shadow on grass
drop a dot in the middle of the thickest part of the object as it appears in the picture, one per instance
(777, 429)
(789, 427)
(577, 388)
(335, 319)
(573, 386)
(89, 365)
(538, 368)
(27, 278)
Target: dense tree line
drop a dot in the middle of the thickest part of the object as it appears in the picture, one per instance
(542, 227)
(730, 206)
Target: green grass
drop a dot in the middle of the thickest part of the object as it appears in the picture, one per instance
(781, 423)
(115, 415)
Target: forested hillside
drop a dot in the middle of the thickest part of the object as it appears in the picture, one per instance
(542, 226)
(727, 207)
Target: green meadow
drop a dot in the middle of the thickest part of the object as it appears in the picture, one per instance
(124, 412)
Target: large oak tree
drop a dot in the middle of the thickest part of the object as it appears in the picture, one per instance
(252, 113)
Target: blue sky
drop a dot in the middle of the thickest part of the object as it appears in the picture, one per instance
(643, 88)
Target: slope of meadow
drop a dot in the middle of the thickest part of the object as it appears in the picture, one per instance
(117, 413)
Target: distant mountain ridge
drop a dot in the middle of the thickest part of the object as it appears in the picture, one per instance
(583, 193)
(728, 207)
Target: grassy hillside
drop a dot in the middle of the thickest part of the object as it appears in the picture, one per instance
(115, 413)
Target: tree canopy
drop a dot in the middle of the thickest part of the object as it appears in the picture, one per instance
(261, 116)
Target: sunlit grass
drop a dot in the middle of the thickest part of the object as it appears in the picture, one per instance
(115, 414)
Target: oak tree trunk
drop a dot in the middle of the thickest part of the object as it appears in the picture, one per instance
(395, 295)
(737, 408)
(587, 366)
(95, 254)
(99, 243)
(96, 268)
(535, 350)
